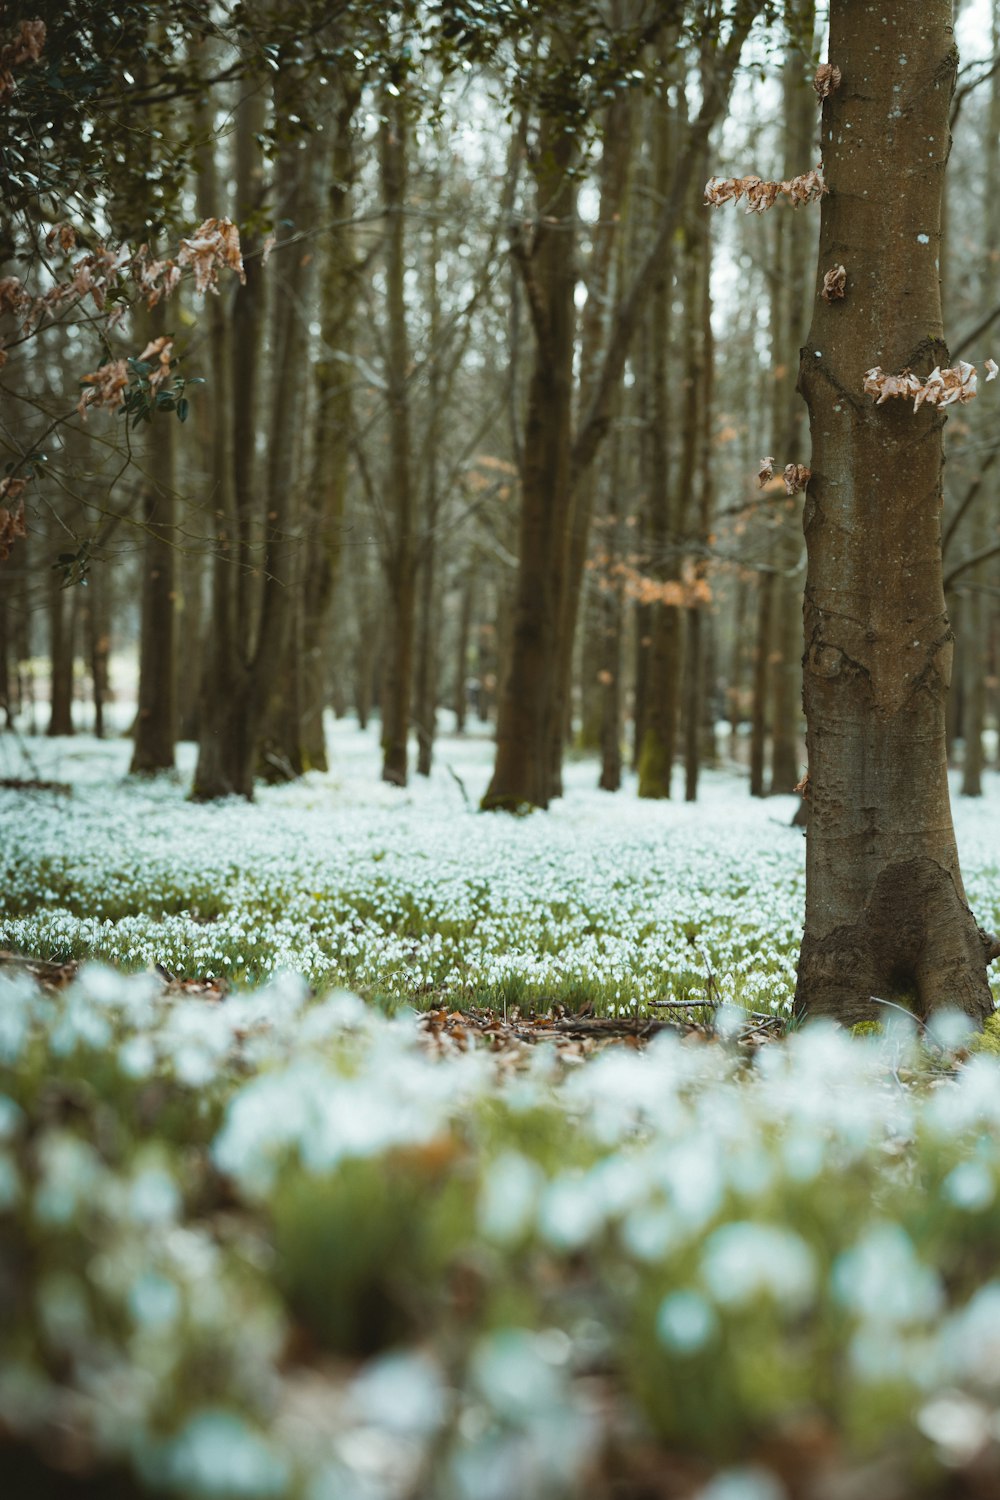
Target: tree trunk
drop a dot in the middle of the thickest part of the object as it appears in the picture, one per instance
(761, 670)
(976, 638)
(156, 720)
(62, 649)
(227, 746)
(522, 774)
(99, 643)
(401, 555)
(462, 647)
(795, 241)
(325, 495)
(602, 284)
(886, 913)
(6, 676)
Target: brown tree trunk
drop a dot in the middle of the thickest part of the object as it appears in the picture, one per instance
(462, 647)
(227, 745)
(99, 643)
(795, 239)
(6, 675)
(156, 720)
(976, 637)
(602, 284)
(62, 649)
(325, 495)
(522, 773)
(401, 555)
(761, 670)
(886, 913)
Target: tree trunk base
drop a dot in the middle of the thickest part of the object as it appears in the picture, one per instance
(915, 943)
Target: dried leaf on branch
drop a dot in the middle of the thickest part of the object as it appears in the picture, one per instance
(161, 350)
(827, 79)
(949, 387)
(796, 477)
(106, 387)
(26, 47)
(761, 195)
(766, 471)
(834, 284)
(214, 243)
(11, 514)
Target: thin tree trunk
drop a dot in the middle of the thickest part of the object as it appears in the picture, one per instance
(326, 494)
(99, 643)
(522, 774)
(156, 721)
(227, 746)
(886, 912)
(761, 668)
(976, 635)
(602, 284)
(796, 236)
(62, 648)
(401, 557)
(462, 647)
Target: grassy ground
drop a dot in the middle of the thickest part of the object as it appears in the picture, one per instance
(268, 1241)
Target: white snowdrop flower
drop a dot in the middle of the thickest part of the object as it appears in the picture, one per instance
(216, 1453)
(512, 1375)
(743, 1260)
(882, 1281)
(153, 1197)
(958, 1426)
(137, 1057)
(803, 1155)
(569, 1214)
(70, 1172)
(508, 1196)
(12, 1117)
(154, 1302)
(16, 996)
(695, 1182)
(685, 1322)
(401, 1392)
(970, 1185)
(970, 1339)
(651, 1232)
(749, 1483)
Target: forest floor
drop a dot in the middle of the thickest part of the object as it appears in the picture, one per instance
(429, 1155)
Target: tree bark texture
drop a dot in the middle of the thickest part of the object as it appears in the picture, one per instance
(156, 720)
(227, 743)
(522, 771)
(401, 551)
(886, 913)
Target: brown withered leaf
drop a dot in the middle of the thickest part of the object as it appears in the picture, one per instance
(107, 387)
(26, 47)
(796, 477)
(762, 195)
(11, 515)
(991, 370)
(949, 387)
(216, 242)
(802, 787)
(62, 236)
(834, 284)
(766, 471)
(827, 79)
(161, 349)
